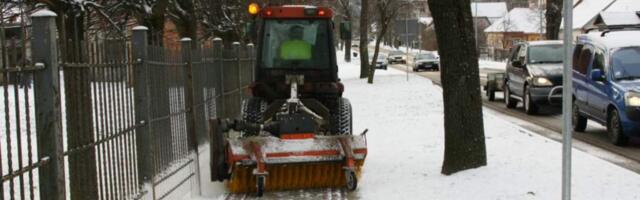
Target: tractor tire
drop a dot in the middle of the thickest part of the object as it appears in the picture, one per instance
(341, 122)
(253, 110)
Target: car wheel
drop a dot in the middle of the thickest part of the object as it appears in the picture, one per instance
(510, 102)
(614, 128)
(529, 107)
(579, 122)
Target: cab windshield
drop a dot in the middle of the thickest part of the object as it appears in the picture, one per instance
(541, 54)
(626, 63)
(295, 44)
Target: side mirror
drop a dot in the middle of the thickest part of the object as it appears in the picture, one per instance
(345, 30)
(517, 63)
(597, 75)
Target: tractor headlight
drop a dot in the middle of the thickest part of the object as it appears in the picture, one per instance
(541, 81)
(632, 98)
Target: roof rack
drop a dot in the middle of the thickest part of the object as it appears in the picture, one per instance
(608, 29)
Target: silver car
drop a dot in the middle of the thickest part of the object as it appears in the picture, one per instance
(381, 62)
(426, 61)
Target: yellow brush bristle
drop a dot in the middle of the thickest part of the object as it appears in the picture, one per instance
(291, 176)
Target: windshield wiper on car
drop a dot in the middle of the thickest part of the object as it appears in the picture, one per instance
(628, 78)
(546, 62)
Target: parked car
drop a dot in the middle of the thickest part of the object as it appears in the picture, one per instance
(606, 83)
(495, 83)
(534, 75)
(426, 61)
(381, 62)
(397, 57)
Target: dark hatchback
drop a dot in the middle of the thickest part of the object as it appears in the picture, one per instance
(534, 75)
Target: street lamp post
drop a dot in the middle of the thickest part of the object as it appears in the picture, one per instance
(567, 127)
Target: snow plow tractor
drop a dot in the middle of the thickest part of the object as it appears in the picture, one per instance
(295, 132)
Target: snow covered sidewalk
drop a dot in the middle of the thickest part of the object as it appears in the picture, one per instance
(406, 148)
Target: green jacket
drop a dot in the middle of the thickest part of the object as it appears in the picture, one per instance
(295, 50)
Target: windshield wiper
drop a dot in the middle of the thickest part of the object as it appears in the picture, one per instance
(628, 78)
(546, 62)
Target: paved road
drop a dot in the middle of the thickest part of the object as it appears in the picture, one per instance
(551, 120)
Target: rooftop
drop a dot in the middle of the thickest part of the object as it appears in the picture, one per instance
(524, 20)
(585, 11)
(489, 9)
(624, 6)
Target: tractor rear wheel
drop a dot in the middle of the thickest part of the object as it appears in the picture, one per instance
(341, 122)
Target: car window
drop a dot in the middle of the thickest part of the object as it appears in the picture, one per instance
(551, 53)
(393, 53)
(295, 43)
(425, 56)
(514, 54)
(598, 61)
(626, 63)
(576, 59)
(522, 53)
(584, 60)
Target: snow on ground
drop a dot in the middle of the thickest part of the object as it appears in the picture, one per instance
(405, 142)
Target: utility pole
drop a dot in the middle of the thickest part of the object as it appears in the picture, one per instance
(567, 127)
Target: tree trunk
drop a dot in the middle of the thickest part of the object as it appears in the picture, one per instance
(464, 128)
(364, 29)
(347, 50)
(374, 60)
(554, 19)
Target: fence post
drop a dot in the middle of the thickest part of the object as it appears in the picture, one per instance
(218, 62)
(142, 105)
(190, 105)
(48, 108)
(238, 89)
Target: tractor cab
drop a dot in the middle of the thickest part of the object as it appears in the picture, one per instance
(295, 40)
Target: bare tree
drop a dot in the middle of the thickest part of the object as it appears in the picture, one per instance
(186, 18)
(464, 128)
(387, 10)
(554, 18)
(364, 39)
(345, 8)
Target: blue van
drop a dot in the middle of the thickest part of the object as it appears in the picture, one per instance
(606, 83)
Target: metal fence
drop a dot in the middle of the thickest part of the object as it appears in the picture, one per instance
(112, 117)
(20, 159)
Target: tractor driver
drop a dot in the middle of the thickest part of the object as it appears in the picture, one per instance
(295, 48)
